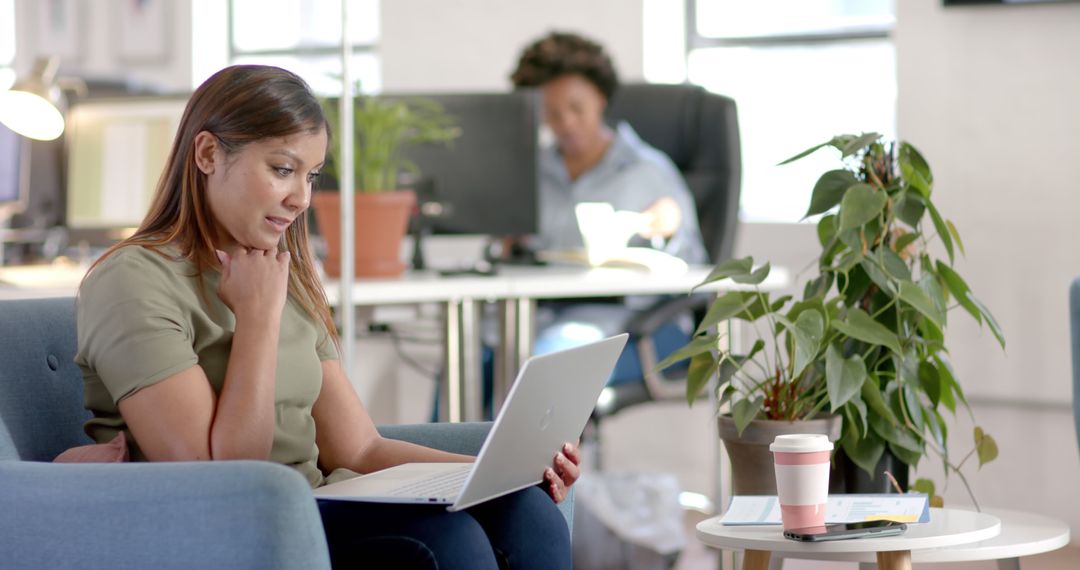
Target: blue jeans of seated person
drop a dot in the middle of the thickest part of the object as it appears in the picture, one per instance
(520, 531)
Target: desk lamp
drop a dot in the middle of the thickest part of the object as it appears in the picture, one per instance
(32, 107)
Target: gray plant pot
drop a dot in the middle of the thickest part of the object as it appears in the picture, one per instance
(752, 462)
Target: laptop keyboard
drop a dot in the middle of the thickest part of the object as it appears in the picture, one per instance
(445, 484)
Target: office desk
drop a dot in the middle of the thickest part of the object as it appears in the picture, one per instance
(515, 289)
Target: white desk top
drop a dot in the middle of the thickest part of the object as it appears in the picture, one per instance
(545, 282)
(947, 527)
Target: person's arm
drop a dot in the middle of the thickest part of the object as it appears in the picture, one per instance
(347, 437)
(180, 418)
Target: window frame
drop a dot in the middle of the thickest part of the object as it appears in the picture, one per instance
(839, 35)
(358, 48)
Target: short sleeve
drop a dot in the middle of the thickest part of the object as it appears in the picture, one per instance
(326, 347)
(131, 333)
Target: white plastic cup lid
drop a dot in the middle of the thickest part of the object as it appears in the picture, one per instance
(801, 443)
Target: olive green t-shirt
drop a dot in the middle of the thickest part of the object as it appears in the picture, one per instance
(141, 319)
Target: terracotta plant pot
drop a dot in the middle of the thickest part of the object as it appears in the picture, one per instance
(751, 461)
(381, 222)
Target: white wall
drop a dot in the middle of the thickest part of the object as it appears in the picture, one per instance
(97, 35)
(989, 94)
(473, 45)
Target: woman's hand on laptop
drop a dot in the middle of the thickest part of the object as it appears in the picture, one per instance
(564, 471)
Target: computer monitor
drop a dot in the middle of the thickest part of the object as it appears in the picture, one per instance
(14, 172)
(117, 150)
(485, 181)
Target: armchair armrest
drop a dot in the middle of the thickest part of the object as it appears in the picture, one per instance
(222, 514)
(465, 438)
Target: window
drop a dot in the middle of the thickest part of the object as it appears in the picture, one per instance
(7, 43)
(800, 71)
(304, 36)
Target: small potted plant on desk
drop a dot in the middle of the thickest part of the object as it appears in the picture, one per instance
(862, 355)
(383, 128)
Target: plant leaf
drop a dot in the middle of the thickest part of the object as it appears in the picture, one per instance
(871, 394)
(697, 346)
(914, 296)
(808, 331)
(990, 320)
(726, 307)
(949, 385)
(829, 190)
(826, 229)
(861, 203)
(805, 153)
(860, 406)
(872, 269)
(956, 236)
(910, 209)
(702, 367)
(924, 486)
(985, 446)
(754, 278)
(914, 169)
(930, 382)
(894, 266)
(725, 394)
(728, 269)
(858, 143)
(863, 451)
(843, 376)
(904, 241)
(862, 326)
(744, 412)
(959, 289)
(942, 229)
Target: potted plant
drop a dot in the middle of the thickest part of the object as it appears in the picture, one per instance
(383, 128)
(866, 341)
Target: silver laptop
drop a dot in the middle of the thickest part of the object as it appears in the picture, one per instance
(548, 405)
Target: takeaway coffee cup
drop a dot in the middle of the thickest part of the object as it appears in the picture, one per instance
(802, 478)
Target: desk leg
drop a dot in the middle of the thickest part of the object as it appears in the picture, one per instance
(450, 397)
(756, 560)
(517, 330)
(897, 560)
(1009, 564)
(472, 370)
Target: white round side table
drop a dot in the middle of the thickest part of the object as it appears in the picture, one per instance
(947, 527)
(1022, 534)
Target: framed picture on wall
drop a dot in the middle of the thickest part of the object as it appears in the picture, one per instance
(58, 33)
(142, 32)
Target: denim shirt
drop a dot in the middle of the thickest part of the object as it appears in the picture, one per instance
(631, 176)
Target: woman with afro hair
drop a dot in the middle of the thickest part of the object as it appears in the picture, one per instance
(592, 162)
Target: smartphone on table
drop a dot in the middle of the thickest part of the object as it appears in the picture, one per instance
(843, 531)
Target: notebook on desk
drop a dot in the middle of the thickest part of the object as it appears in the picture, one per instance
(606, 233)
(548, 404)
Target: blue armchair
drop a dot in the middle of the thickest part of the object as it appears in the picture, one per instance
(230, 514)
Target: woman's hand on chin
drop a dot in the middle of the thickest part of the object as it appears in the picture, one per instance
(564, 471)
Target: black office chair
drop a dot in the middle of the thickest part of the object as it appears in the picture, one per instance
(699, 131)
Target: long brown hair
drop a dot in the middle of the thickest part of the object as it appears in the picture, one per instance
(239, 105)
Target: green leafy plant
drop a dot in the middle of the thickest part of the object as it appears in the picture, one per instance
(867, 338)
(383, 127)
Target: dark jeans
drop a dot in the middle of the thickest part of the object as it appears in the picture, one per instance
(522, 530)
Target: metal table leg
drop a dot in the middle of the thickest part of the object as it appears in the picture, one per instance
(517, 331)
(461, 396)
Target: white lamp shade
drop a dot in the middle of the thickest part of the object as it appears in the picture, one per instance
(30, 115)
